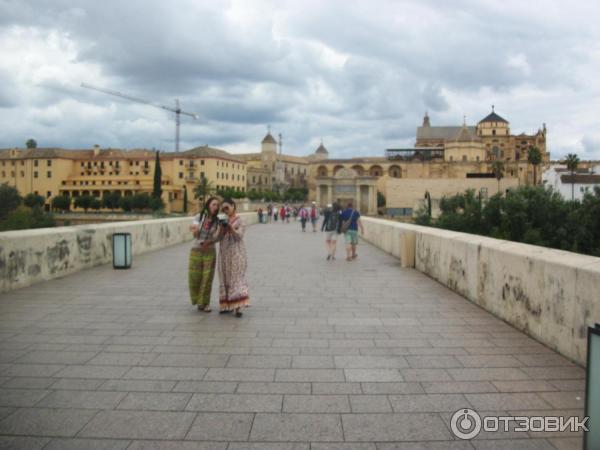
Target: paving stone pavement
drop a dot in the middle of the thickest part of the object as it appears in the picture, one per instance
(331, 355)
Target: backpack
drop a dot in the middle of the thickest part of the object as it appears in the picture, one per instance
(332, 221)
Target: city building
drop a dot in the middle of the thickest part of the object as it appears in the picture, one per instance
(54, 171)
(572, 185)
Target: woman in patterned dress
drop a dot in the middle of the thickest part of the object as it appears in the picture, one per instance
(203, 256)
(233, 283)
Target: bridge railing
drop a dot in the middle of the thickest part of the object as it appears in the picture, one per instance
(31, 256)
(551, 295)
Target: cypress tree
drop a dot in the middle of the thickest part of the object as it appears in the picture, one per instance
(185, 199)
(157, 190)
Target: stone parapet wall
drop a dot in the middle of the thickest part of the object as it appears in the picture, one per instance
(31, 256)
(552, 295)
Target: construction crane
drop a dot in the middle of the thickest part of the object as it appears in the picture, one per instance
(177, 110)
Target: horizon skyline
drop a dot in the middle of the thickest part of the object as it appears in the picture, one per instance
(359, 75)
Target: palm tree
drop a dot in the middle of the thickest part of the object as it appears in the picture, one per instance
(498, 170)
(572, 161)
(534, 157)
(203, 189)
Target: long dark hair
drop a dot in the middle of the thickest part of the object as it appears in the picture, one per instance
(230, 201)
(205, 212)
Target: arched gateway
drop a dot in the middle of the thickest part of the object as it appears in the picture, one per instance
(346, 185)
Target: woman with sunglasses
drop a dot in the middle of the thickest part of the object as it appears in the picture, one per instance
(233, 283)
(203, 256)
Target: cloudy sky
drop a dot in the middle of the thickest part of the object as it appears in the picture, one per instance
(358, 74)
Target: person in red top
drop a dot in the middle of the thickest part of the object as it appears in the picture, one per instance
(282, 213)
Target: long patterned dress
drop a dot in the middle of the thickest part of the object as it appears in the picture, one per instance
(202, 263)
(233, 283)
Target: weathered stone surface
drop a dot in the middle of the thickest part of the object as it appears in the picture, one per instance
(331, 355)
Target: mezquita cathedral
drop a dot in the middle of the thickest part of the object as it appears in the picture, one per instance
(444, 160)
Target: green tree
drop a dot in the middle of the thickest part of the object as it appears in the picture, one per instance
(61, 202)
(126, 203)
(203, 189)
(534, 157)
(83, 201)
(380, 200)
(498, 170)
(31, 143)
(110, 200)
(141, 201)
(32, 200)
(157, 188)
(9, 199)
(572, 161)
(96, 204)
(156, 204)
(185, 199)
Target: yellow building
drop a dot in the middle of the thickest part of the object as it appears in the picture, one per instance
(54, 171)
(271, 168)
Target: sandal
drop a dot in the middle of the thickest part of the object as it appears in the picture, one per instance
(238, 313)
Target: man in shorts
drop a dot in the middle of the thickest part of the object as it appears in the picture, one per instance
(331, 225)
(350, 224)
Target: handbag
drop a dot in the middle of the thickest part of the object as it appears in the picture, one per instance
(346, 223)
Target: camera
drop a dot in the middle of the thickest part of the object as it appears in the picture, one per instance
(223, 220)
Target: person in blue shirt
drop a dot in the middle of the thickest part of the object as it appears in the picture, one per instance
(350, 224)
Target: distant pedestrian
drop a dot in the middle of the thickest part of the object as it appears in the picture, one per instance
(233, 282)
(269, 213)
(350, 225)
(282, 213)
(314, 216)
(303, 213)
(260, 215)
(275, 213)
(332, 225)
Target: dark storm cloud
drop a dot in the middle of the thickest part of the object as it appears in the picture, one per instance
(358, 74)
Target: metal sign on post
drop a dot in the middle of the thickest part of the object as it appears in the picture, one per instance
(591, 438)
(121, 246)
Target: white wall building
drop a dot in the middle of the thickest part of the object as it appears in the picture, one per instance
(560, 179)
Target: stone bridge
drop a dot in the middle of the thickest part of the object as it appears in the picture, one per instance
(331, 355)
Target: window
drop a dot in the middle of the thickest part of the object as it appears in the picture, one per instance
(217, 175)
(180, 174)
(35, 163)
(451, 158)
(253, 178)
(48, 194)
(35, 174)
(201, 174)
(22, 162)
(201, 162)
(464, 157)
(22, 173)
(477, 158)
(493, 132)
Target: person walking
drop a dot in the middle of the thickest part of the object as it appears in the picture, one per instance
(282, 213)
(350, 224)
(260, 215)
(203, 257)
(303, 213)
(275, 213)
(233, 262)
(332, 225)
(269, 213)
(314, 216)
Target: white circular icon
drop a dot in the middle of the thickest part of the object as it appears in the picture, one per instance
(465, 423)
